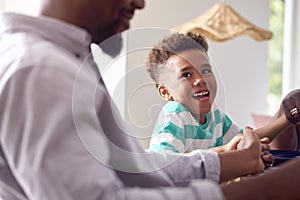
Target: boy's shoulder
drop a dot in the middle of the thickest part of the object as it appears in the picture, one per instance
(175, 107)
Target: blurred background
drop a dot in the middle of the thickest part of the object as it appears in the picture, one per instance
(252, 76)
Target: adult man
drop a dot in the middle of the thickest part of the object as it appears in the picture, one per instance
(56, 144)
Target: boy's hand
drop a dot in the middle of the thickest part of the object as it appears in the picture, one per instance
(232, 144)
(291, 106)
(267, 158)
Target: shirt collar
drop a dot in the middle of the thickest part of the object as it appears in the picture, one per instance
(74, 39)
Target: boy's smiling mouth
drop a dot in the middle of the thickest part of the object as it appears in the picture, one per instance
(201, 95)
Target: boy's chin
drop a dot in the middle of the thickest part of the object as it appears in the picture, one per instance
(202, 111)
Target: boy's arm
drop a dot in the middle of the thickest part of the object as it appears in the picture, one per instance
(219, 149)
(231, 145)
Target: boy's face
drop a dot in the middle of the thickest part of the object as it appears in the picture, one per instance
(190, 81)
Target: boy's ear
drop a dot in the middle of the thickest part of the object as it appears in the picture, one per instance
(164, 93)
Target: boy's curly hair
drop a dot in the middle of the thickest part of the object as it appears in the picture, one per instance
(168, 46)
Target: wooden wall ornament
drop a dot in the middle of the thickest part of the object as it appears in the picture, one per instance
(221, 22)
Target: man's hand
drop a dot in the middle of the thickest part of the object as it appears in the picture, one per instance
(249, 139)
(251, 142)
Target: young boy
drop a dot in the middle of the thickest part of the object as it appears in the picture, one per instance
(190, 120)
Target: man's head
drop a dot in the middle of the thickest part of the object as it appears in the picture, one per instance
(101, 18)
(180, 66)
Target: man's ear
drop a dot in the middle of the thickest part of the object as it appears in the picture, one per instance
(164, 93)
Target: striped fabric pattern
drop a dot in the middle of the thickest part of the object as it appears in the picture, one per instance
(178, 131)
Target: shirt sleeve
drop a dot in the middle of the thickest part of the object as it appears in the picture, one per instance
(198, 164)
(198, 190)
(229, 129)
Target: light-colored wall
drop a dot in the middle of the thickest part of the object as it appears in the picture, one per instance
(26, 7)
(242, 63)
(2, 5)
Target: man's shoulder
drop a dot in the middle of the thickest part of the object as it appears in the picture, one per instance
(27, 51)
(35, 58)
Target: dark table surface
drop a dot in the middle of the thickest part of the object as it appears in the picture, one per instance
(281, 156)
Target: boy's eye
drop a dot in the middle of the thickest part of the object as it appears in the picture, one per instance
(187, 74)
(206, 71)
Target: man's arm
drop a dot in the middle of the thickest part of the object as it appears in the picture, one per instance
(49, 157)
(281, 183)
(282, 131)
(273, 129)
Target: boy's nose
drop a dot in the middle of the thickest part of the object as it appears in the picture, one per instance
(199, 81)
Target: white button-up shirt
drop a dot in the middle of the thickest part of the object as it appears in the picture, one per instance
(61, 137)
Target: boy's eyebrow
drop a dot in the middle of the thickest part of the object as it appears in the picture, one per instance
(206, 65)
(186, 68)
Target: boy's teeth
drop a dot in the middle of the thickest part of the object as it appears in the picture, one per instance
(204, 93)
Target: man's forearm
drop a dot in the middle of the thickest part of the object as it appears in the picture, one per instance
(282, 183)
(273, 129)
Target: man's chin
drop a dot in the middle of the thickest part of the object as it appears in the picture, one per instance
(122, 26)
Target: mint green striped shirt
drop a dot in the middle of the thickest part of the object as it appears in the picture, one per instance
(177, 130)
